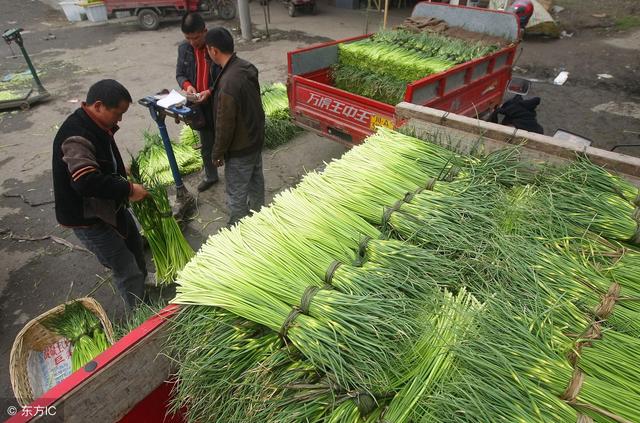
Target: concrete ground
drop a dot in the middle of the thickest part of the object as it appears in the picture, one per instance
(40, 274)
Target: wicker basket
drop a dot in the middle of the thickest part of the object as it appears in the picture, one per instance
(35, 337)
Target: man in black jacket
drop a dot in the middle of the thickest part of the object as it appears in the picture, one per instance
(91, 188)
(195, 74)
(239, 121)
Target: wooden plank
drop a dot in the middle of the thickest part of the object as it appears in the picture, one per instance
(109, 394)
(629, 166)
(468, 143)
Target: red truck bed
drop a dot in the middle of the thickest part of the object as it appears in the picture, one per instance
(127, 383)
(469, 89)
(112, 5)
(130, 382)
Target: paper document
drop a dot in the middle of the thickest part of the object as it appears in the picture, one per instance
(172, 99)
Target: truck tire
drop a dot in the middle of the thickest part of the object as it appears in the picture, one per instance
(292, 10)
(227, 10)
(148, 19)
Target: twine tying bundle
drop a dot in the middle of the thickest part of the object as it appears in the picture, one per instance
(602, 312)
(636, 216)
(362, 247)
(575, 384)
(328, 276)
(305, 303)
(408, 197)
(366, 403)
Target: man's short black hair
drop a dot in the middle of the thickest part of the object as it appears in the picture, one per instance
(110, 92)
(221, 39)
(192, 23)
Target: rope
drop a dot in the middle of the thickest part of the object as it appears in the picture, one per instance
(284, 329)
(605, 308)
(635, 239)
(602, 312)
(331, 270)
(512, 137)
(307, 296)
(575, 384)
(584, 419)
(366, 403)
(362, 247)
(431, 183)
(443, 119)
(453, 173)
(388, 210)
(305, 303)
(408, 197)
(602, 412)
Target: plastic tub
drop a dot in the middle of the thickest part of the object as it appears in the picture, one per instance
(72, 11)
(96, 12)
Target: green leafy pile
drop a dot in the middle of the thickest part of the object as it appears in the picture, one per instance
(380, 67)
(83, 329)
(278, 128)
(169, 248)
(154, 164)
(409, 283)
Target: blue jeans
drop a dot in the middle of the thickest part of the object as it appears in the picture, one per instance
(244, 184)
(124, 256)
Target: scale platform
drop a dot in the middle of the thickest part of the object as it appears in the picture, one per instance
(23, 99)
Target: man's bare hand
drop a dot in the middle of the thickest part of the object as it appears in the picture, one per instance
(218, 162)
(138, 192)
(202, 97)
(191, 90)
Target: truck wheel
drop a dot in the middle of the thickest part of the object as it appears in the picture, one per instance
(148, 19)
(292, 10)
(227, 10)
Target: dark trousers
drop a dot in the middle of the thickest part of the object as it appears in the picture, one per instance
(207, 138)
(124, 256)
(244, 184)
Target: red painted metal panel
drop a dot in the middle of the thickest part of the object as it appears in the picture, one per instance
(333, 112)
(112, 5)
(153, 408)
(80, 376)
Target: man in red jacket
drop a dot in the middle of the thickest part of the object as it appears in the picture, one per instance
(196, 74)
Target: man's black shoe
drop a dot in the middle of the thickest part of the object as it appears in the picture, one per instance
(205, 185)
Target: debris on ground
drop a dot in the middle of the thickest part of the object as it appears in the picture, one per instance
(561, 78)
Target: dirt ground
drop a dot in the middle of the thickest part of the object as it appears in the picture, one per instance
(39, 274)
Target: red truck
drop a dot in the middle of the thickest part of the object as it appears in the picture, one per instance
(469, 89)
(150, 12)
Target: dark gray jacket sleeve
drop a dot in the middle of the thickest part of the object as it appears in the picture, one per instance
(182, 68)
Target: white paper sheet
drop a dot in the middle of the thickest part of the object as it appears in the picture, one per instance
(172, 99)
